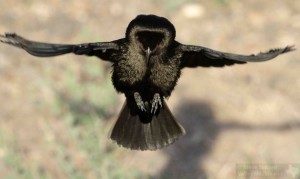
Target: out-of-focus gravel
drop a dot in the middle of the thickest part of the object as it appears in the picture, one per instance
(239, 114)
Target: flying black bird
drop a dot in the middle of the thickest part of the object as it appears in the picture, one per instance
(146, 66)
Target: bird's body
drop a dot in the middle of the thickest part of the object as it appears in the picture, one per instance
(158, 74)
(147, 64)
(132, 73)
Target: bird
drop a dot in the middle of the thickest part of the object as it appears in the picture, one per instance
(146, 65)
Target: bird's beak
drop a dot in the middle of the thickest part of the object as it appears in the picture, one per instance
(148, 53)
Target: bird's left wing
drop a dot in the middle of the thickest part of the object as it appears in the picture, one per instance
(194, 56)
(102, 50)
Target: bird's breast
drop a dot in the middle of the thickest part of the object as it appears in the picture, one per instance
(163, 75)
(128, 72)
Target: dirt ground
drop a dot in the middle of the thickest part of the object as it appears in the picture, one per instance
(239, 115)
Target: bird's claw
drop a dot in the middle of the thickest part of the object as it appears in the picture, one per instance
(156, 103)
(139, 101)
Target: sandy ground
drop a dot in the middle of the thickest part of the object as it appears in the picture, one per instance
(243, 114)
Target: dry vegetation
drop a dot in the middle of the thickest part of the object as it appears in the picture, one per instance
(55, 113)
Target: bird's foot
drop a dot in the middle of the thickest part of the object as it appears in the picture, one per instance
(139, 101)
(156, 103)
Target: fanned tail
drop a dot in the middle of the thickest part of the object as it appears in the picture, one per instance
(137, 130)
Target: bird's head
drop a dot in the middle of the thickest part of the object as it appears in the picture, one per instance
(150, 34)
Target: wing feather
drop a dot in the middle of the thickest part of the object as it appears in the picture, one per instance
(102, 50)
(194, 56)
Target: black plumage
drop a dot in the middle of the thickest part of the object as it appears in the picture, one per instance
(146, 66)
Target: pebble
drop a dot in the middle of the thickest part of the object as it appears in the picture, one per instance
(193, 11)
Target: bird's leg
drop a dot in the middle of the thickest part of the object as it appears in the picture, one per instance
(139, 101)
(156, 103)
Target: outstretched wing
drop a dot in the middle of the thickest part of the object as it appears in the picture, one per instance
(102, 50)
(194, 56)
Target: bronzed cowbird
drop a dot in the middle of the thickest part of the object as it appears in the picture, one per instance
(146, 66)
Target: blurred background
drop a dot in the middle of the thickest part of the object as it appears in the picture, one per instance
(56, 113)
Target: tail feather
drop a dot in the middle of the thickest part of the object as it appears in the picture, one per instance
(137, 130)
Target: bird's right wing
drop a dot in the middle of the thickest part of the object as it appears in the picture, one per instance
(195, 56)
(102, 50)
